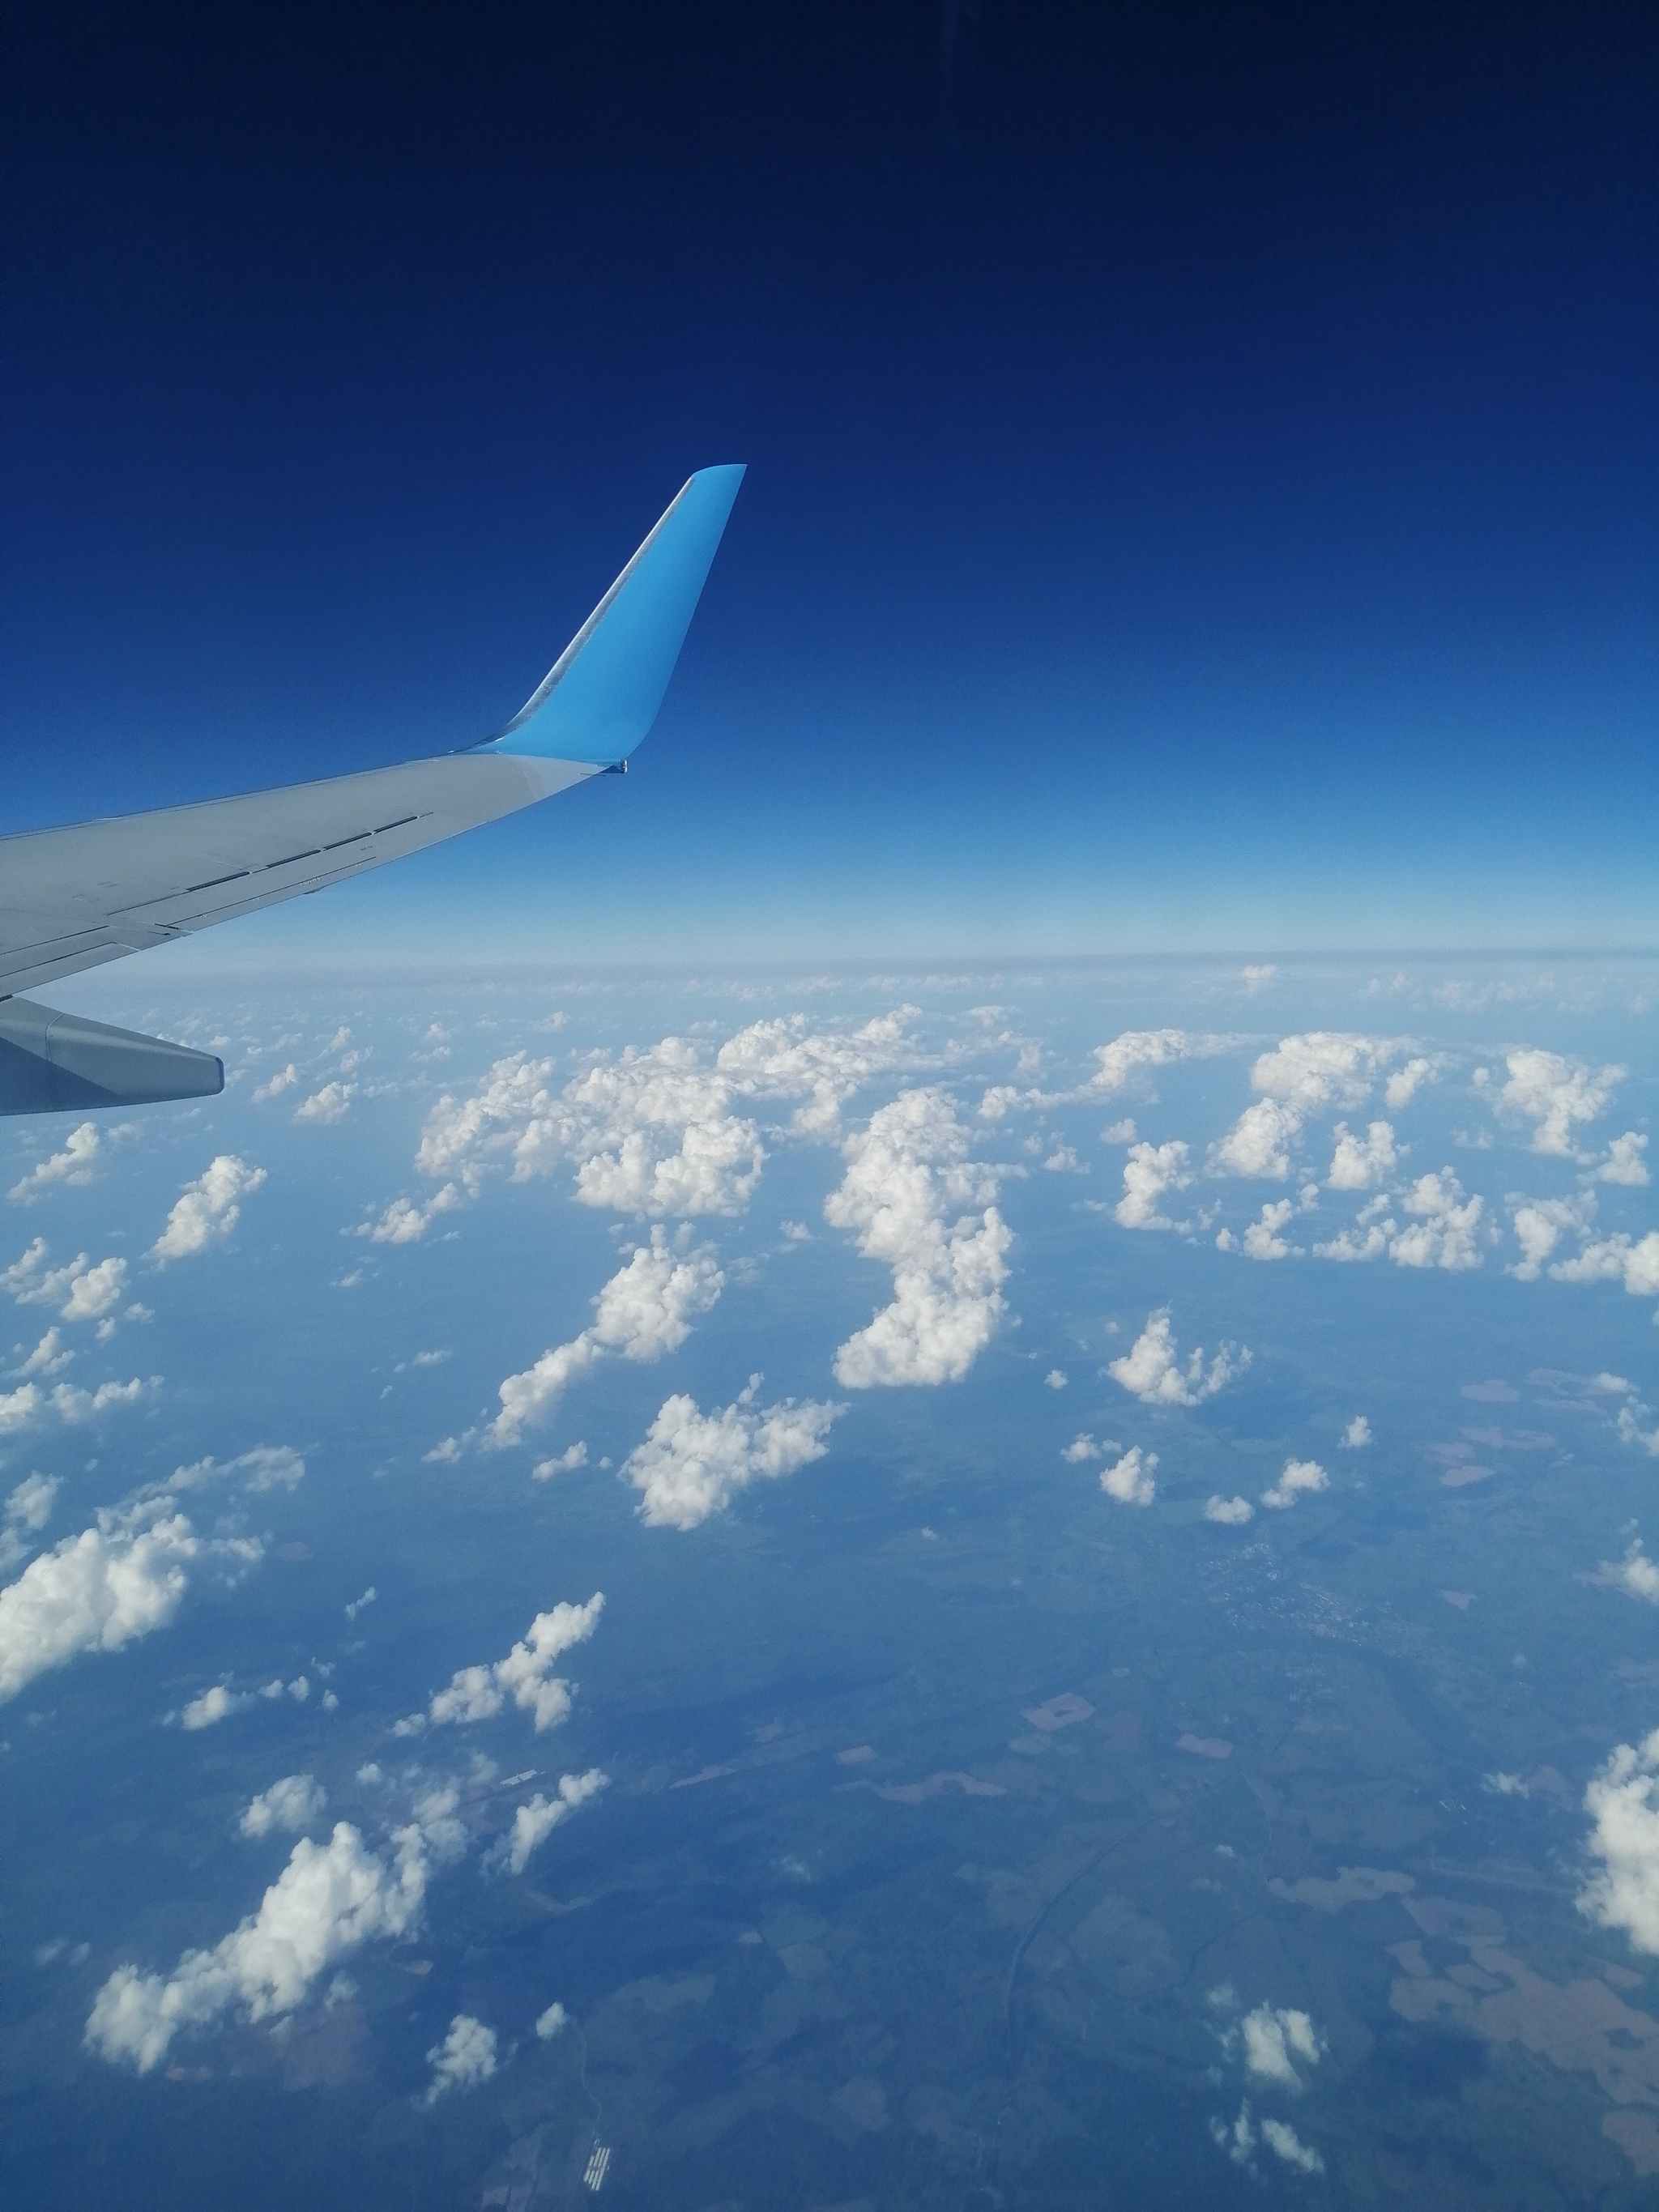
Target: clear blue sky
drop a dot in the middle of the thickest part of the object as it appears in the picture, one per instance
(1202, 459)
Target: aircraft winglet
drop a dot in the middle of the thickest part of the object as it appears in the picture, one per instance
(602, 694)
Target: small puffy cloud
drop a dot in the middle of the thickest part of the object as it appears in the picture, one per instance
(1301, 1478)
(209, 1210)
(1623, 1803)
(1623, 1163)
(292, 1803)
(29, 1505)
(1556, 1096)
(19, 1406)
(48, 1356)
(465, 2057)
(405, 1223)
(1615, 1259)
(904, 1173)
(462, 1135)
(692, 1464)
(1636, 1574)
(284, 1079)
(1258, 1143)
(564, 1463)
(266, 1466)
(72, 1166)
(1258, 975)
(1149, 1171)
(525, 1675)
(1136, 1051)
(357, 1604)
(1229, 1512)
(1130, 1480)
(1357, 1163)
(532, 1824)
(331, 1104)
(1055, 1379)
(646, 1309)
(1443, 1234)
(1151, 1370)
(1539, 1223)
(1264, 1238)
(1358, 1434)
(1301, 1076)
(213, 1706)
(101, 1590)
(1276, 2039)
(554, 2021)
(1404, 1083)
(80, 1291)
(1282, 2140)
(328, 1901)
(76, 1407)
(1346, 1246)
(1081, 1449)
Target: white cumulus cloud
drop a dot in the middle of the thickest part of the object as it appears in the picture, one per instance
(1138, 1050)
(1623, 1803)
(1615, 1259)
(1149, 1171)
(1623, 1163)
(1556, 1096)
(1300, 1478)
(1276, 2039)
(525, 1675)
(73, 1166)
(1636, 1574)
(1265, 1239)
(692, 1464)
(1358, 1434)
(209, 1209)
(1151, 1370)
(329, 1900)
(904, 1173)
(1442, 1233)
(292, 1803)
(646, 1309)
(1130, 1479)
(1539, 1223)
(533, 1823)
(465, 2057)
(1301, 1076)
(331, 1104)
(1229, 1512)
(552, 2022)
(1357, 1163)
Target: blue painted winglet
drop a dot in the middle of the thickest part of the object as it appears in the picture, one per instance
(601, 695)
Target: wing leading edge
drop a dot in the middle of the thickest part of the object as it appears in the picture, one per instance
(75, 897)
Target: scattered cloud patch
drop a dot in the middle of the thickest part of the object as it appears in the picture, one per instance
(533, 1823)
(1301, 1075)
(554, 2021)
(1442, 1233)
(329, 1900)
(525, 1675)
(1229, 1512)
(403, 1222)
(284, 1079)
(903, 1173)
(1358, 1162)
(692, 1464)
(1623, 1804)
(1148, 1173)
(331, 1104)
(291, 1804)
(1130, 1480)
(646, 1309)
(1056, 1379)
(1276, 2039)
(465, 2057)
(1151, 1370)
(1264, 1238)
(1556, 1096)
(209, 1209)
(1301, 1478)
(1136, 1051)
(1636, 1574)
(1623, 1164)
(1358, 1434)
(216, 1704)
(72, 1167)
(564, 1463)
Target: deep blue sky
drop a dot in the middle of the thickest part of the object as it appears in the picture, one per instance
(1202, 460)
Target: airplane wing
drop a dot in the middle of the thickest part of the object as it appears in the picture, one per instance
(74, 898)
